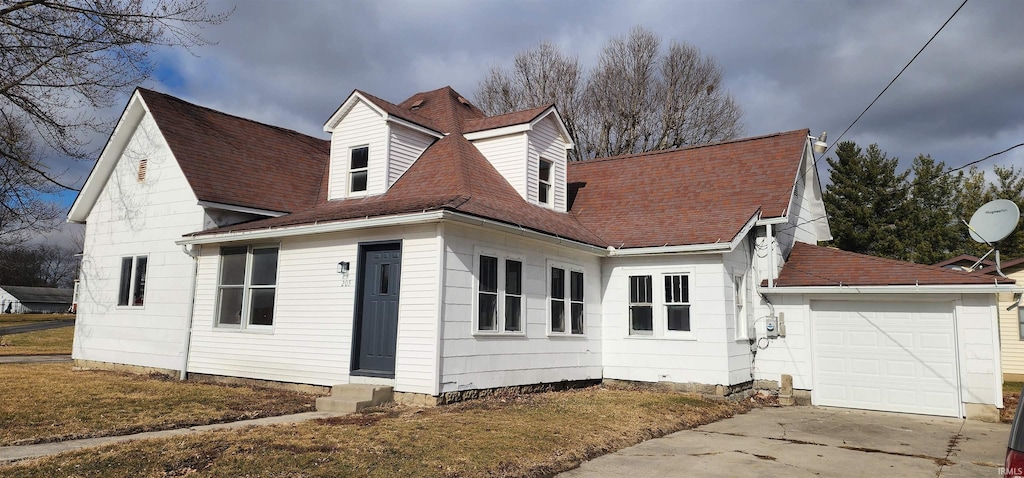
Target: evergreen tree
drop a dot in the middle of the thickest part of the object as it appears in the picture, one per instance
(866, 201)
(932, 231)
(1009, 184)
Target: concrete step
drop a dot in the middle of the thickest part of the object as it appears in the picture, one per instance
(346, 398)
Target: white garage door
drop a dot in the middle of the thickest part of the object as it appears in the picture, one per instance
(898, 357)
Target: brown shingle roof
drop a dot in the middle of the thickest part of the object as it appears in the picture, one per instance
(697, 195)
(445, 107)
(450, 175)
(810, 265)
(500, 121)
(232, 160)
(404, 113)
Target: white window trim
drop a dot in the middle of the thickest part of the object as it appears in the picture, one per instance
(659, 295)
(630, 304)
(348, 172)
(742, 321)
(499, 325)
(131, 281)
(1020, 321)
(244, 325)
(569, 268)
(550, 183)
(659, 313)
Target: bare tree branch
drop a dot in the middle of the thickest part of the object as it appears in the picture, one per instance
(637, 98)
(60, 60)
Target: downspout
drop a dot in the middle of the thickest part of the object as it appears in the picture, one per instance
(194, 254)
(771, 254)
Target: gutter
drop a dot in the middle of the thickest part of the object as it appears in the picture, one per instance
(289, 231)
(894, 289)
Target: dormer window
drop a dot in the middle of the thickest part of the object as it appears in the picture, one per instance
(544, 192)
(358, 169)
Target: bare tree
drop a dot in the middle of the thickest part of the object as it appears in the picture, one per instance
(637, 98)
(538, 77)
(59, 58)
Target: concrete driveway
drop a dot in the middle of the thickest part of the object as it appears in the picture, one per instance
(815, 441)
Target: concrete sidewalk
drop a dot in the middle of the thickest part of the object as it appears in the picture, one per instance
(22, 452)
(815, 441)
(34, 358)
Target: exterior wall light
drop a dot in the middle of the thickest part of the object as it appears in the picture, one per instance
(819, 143)
(343, 267)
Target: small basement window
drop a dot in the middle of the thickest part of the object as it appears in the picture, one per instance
(358, 169)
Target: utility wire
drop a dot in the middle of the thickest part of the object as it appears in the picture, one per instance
(972, 163)
(836, 141)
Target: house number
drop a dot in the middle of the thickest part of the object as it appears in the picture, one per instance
(346, 282)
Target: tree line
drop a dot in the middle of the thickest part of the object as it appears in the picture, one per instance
(912, 215)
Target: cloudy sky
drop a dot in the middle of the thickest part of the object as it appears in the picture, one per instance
(790, 64)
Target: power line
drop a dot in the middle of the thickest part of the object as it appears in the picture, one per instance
(836, 141)
(972, 163)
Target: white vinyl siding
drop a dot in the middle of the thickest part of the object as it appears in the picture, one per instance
(362, 126)
(497, 360)
(406, 146)
(508, 156)
(132, 219)
(315, 306)
(701, 355)
(546, 142)
(1011, 335)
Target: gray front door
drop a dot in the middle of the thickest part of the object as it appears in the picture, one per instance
(376, 335)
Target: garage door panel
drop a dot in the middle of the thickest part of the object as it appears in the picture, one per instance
(897, 357)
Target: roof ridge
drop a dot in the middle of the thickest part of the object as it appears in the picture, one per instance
(222, 113)
(683, 148)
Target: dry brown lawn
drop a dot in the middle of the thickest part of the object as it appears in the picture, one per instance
(44, 342)
(53, 402)
(1011, 395)
(520, 435)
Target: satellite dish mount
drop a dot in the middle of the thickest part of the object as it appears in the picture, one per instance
(991, 223)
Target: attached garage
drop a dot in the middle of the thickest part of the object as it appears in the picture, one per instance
(889, 356)
(878, 334)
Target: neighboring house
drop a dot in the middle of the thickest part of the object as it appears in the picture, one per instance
(34, 300)
(432, 248)
(1011, 322)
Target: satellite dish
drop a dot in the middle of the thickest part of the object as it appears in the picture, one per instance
(994, 220)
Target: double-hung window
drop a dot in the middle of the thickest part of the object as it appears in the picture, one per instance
(659, 305)
(132, 288)
(247, 286)
(565, 300)
(677, 302)
(499, 288)
(641, 305)
(544, 189)
(358, 169)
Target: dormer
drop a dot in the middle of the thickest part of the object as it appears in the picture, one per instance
(529, 148)
(373, 143)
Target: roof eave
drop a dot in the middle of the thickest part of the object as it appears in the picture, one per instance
(104, 166)
(706, 248)
(895, 289)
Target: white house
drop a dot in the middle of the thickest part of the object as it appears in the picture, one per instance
(429, 247)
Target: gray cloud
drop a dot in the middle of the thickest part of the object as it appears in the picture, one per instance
(791, 64)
